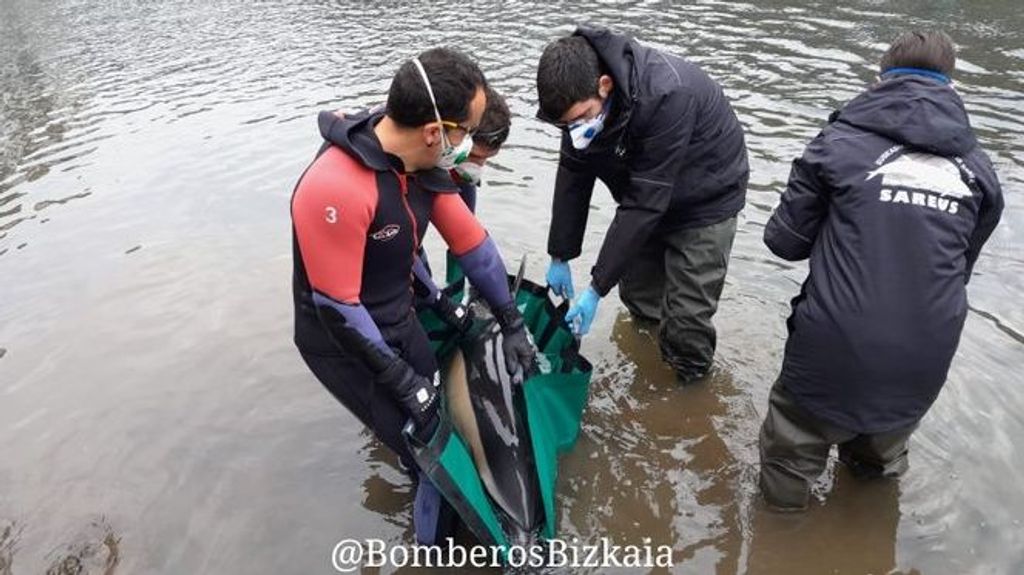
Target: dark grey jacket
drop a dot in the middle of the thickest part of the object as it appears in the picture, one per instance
(892, 203)
(672, 155)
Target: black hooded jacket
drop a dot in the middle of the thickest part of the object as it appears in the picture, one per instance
(672, 154)
(892, 203)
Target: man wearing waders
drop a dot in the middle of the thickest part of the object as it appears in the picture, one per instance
(359, 212)
(662, 136)
(892, 203)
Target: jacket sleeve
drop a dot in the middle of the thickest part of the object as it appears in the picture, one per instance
(989, 213)
(570, 205)
(794, 225)
(659, 155)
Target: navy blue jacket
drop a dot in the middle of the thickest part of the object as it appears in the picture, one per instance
(892, 203)
(672, 154)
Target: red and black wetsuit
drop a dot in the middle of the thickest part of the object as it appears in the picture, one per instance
(357, 220)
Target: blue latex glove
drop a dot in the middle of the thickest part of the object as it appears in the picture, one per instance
(582, 312)
(560, 278)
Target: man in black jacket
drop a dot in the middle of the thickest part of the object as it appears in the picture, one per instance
(892, 203)
(662, 136)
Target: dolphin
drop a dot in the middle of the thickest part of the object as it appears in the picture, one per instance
(486, 408)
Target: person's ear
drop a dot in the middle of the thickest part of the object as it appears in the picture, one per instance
(431, 134)
(605, 84)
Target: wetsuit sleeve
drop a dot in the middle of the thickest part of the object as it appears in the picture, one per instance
(989, 213)
(422, 282)
(331, 225)
(475, 250)
(794, 225)
(658, 159)
(570, 206)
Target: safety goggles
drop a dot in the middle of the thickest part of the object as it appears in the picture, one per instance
(471, 132)
(560, 124)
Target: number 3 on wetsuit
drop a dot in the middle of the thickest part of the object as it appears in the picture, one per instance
(331, 215)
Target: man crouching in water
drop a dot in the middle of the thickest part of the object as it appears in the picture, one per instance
(359, 213)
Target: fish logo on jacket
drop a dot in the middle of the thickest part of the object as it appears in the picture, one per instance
(919, 171)
(924, 180)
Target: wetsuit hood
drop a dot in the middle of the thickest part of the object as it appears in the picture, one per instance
(354, 134)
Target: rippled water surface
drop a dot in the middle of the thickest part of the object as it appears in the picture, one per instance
(155, 417)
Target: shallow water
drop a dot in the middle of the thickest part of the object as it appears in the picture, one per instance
(155, 417)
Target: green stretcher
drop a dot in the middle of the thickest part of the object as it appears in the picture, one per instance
(553, 401)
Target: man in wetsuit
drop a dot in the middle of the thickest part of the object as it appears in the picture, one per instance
(359, 212)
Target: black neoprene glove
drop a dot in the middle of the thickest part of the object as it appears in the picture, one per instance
(415, 393)
(520, 354)
(455, 315)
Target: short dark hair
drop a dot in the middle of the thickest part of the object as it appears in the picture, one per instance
(930, 50)
(497, 120)
(567, 73)
(454, 78)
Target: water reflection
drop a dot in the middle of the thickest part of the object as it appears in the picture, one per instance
(856, 530)
(653, 463)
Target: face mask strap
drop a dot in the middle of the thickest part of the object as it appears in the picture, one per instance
(430, 92)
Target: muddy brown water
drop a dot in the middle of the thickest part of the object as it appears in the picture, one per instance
(155, 417)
